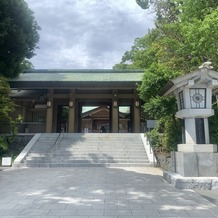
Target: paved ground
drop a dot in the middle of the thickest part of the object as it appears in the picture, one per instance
(211, 195)
(96, 193)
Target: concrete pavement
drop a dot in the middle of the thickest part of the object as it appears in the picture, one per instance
(210, 195)
(96, 193)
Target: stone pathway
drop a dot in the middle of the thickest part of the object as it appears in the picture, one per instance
(96, 193)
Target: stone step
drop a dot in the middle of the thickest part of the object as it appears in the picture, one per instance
(45, 144)
(84, 161)
(71, 150)
(95, 148)
(77, 152)
(38, 154)
(73, 154)
(31, 157)
(87, 146)
(86, 165)
(40, 150)
(85, 158)
(118, 154)
(105, 141)
(87, 161)
(111, 148)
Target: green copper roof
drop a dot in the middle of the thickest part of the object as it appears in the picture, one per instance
(77, 78)
(81, 75)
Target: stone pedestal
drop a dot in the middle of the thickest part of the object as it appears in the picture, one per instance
(196, 164)
(197, 148)
(196, 157)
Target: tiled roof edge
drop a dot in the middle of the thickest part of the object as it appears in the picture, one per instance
(84, 71)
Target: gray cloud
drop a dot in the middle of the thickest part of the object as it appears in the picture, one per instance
(87, 33)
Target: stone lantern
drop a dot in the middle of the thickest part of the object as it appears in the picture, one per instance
(196, 156)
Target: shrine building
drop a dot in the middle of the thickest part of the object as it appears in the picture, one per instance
(76, 101)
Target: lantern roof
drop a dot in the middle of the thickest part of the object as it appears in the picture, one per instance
(204, 75)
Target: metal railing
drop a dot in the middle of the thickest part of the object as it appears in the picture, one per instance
(53, 146)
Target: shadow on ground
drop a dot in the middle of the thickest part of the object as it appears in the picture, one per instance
(96, 192)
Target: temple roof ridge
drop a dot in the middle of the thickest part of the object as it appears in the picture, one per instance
(83, 70)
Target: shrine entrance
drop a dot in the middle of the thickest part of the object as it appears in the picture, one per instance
(97, 118)
(77, 101)
(62, 118)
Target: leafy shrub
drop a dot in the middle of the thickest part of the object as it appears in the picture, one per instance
(213, 125)
(172, 134)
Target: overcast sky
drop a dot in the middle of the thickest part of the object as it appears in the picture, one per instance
(86, 34)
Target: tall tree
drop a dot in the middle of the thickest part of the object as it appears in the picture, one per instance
(7, 107)
(185, 35)
(18, 36)
(18, 39)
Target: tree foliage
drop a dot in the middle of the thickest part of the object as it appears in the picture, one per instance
(7, 107)
(18, 36)
(213, 123)
(18, 39)
(185, 36)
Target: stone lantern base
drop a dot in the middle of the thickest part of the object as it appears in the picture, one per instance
(196, 162)
(197, 148)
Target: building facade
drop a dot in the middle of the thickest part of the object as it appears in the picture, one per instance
(77, 101)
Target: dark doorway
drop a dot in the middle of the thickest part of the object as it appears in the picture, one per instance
(62, 118)
(125, 119)
(95, 117)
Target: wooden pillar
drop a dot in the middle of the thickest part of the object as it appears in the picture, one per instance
(49, 116)
(137, 114)
(115, 112)
(24, 112)
(71, 118)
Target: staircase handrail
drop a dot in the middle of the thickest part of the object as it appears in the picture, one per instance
(54, 144)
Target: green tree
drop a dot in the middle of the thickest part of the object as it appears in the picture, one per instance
(6, 104)
(7, 107)
(213, 123)
(18, 39)
(26, 65)
(18, 36)
(185, 35)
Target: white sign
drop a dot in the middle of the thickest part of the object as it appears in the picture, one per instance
(6, 161)
(151, 124)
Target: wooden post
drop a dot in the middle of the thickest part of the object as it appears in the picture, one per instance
(49, 117)
(71, 118)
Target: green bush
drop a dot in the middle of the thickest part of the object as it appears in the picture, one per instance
(6, 140)
(172, 134)
(167, 134)
(3, 145)
(154, 137)
(213, 125)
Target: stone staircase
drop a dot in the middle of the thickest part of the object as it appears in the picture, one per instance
(90, 149)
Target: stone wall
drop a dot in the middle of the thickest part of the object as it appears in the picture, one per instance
(20, 141)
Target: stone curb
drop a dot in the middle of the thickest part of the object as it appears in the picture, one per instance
(201, 183)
